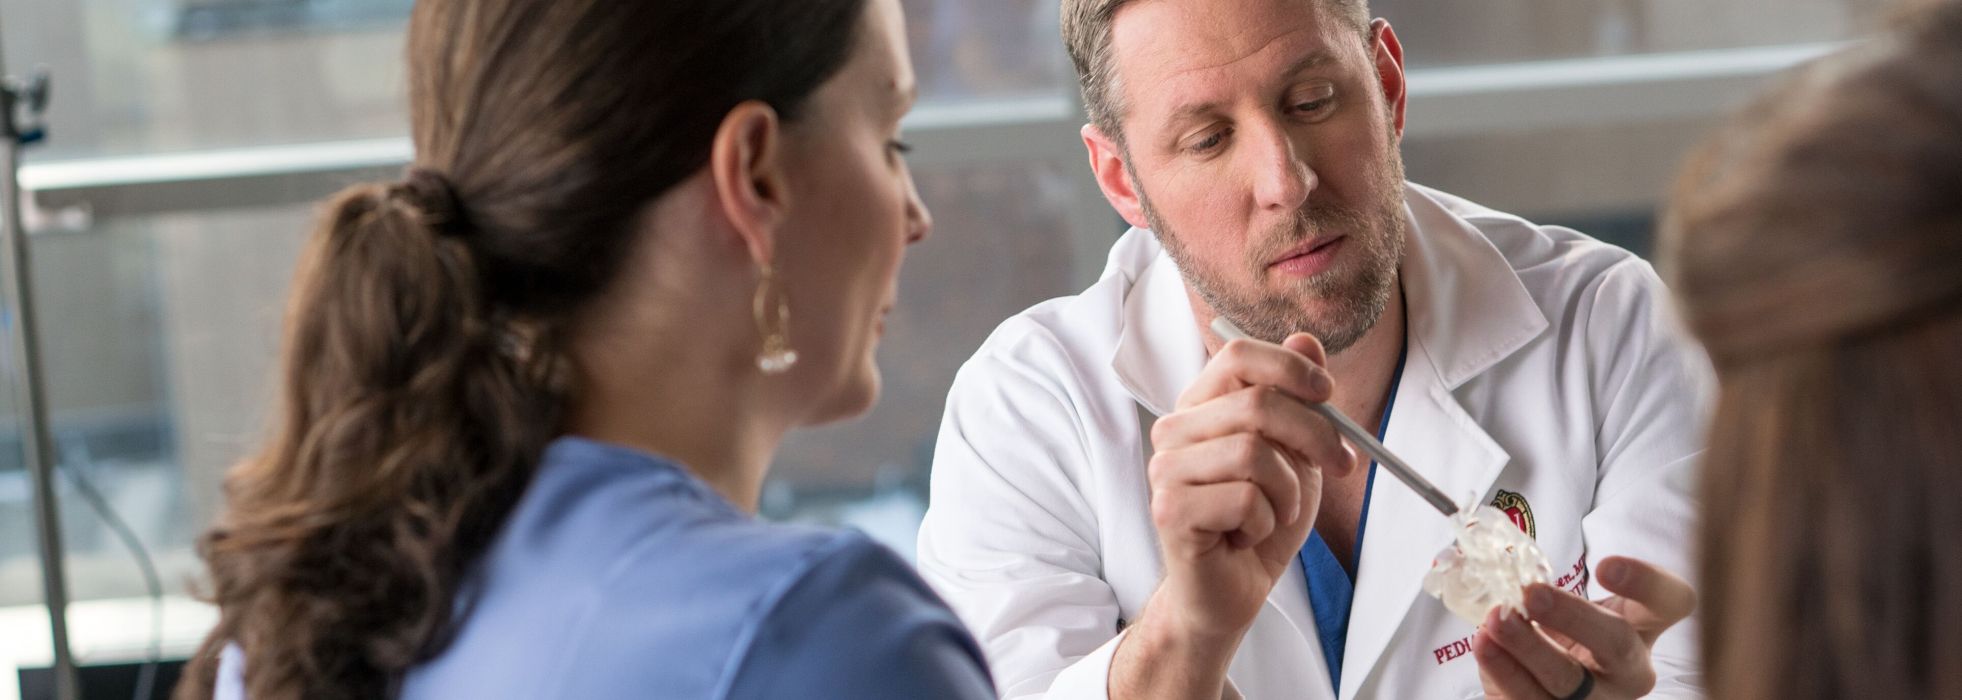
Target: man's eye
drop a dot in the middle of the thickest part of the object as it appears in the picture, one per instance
(1209, 143)
(1314, 105)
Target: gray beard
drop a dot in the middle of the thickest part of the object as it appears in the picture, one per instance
(1356, 292)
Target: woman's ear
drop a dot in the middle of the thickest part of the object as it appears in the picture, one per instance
(746, 165)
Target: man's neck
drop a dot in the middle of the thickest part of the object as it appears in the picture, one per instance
(1363, 372)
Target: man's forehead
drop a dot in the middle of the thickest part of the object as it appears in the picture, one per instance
(1162, 39)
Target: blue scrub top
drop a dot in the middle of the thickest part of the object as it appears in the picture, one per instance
(621, 575)
(1331, 588)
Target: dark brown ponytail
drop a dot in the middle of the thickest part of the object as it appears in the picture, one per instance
(422, 377)
(413, 422)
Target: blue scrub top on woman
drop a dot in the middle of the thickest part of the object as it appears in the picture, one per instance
(620, 574)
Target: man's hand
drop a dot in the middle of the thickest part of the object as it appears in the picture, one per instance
(1235, 486)
(1545, 658)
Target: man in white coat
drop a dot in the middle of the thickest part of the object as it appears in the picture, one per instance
(1125, 506)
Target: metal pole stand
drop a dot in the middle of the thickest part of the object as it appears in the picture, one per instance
(22, 109)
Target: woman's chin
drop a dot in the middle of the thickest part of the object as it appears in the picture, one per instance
(854, 396)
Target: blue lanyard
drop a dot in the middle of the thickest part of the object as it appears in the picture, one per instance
(1331, 588)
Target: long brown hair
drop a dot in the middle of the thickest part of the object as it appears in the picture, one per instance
(422, 373)
(1816, 245)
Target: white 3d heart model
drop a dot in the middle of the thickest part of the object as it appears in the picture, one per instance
(1487, 566)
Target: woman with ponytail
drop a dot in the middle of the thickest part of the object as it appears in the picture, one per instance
(531, 390)
(1816, 245)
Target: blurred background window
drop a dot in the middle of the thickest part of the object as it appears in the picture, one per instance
(189, 138)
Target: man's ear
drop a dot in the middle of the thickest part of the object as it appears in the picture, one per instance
(746, 165)
(1388, 56)
(1107, 163)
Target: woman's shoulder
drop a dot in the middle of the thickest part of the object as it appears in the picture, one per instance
(759, 570)
(598, 513)
(623, 524)
(617, 570)
(677, 612)
(752, 609)
(855, 620)
(825, 566)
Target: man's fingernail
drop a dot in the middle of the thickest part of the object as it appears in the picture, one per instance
(1539, 601)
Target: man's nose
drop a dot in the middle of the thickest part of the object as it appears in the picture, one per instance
(1284, 179)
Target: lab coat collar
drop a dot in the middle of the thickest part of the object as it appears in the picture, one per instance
(1159, 351)
(1466, 304)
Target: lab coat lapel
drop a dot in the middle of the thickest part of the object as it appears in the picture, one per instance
(1435, 435)
(1467, 310)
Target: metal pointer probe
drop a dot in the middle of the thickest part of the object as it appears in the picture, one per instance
(1361, 438)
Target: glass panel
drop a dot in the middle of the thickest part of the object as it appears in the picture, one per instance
(1603, 180)
(147, 76)
(152, 76)
(987, 48)
(1502, 31)
(158, 338)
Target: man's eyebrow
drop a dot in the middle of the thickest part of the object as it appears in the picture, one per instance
(1191, 111)
(1313, 60)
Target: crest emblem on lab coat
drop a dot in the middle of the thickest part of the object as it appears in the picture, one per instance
(1516, 508)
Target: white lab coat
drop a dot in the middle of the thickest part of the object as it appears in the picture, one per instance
(1541, 363)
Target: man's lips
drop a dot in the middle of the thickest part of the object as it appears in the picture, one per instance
(1309, 258)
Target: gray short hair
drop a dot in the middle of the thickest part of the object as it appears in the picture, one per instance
(1086, 34)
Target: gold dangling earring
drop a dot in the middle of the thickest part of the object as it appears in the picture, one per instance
(776, 357)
